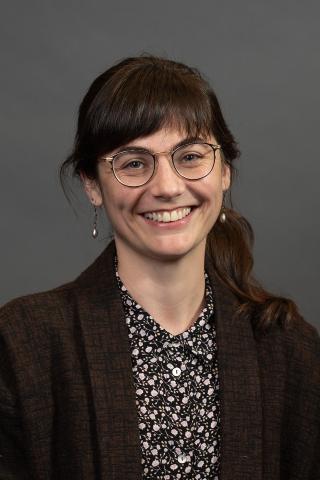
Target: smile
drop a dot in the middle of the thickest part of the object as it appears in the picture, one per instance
(166, 216)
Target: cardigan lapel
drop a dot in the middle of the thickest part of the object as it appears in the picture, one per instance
(108, 357)
(241, 403)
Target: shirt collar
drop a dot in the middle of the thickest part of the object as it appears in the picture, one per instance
(192, 340)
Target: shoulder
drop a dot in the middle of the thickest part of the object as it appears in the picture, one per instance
(302, 336)
(296, 348)
(39, 301)
(33, 312)
(297, 335)
(55, 309)
(33, 329)
(302, 343)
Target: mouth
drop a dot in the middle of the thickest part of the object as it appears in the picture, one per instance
(167, 216)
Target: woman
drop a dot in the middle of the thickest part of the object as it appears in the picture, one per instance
(164, 359)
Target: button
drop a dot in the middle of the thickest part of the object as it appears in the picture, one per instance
(176, 372)
(182, 458)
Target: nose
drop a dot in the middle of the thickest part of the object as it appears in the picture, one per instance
(166, 182)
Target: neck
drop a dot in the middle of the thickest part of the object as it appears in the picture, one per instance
(172, 292)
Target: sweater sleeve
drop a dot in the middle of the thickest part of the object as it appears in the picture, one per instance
(315, 464)
(303, 401)
(13, 464)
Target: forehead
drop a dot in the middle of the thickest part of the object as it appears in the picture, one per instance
(167, 138)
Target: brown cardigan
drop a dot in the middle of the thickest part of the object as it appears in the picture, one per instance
(67, 399)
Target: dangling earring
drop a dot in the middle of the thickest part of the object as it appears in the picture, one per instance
(223, 216)
(95, 223)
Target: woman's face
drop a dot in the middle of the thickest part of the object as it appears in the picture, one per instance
(128, 208)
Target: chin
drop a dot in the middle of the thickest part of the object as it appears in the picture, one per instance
(172, 251)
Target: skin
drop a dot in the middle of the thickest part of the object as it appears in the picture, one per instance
(169, 257)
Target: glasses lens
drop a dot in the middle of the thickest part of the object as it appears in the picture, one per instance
(194, 161)
(133, 168)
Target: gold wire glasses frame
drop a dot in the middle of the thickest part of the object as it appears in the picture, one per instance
(137, 177)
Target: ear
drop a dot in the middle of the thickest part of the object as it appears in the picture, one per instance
(226, 176)
(92, 189)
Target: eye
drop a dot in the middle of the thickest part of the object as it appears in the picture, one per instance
(188, 157)
(132, 161)
(134, 164)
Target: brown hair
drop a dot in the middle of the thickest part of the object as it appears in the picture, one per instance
(137, 97)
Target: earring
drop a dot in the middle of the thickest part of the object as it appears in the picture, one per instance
(223, 216)
(95, 223)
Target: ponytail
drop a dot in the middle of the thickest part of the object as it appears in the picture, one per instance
(229, 247)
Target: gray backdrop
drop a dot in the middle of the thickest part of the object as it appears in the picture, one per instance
(263, 61)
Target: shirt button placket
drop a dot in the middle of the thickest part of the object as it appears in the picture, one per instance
(176, 371)
(182, 458)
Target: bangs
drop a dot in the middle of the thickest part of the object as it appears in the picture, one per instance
(140, 101)
(137, 97)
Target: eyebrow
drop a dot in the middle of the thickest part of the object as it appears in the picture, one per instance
(185, 141)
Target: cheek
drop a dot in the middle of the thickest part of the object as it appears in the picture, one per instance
(118, 202)
(212, 190)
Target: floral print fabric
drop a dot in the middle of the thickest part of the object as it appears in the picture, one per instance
(177, 393)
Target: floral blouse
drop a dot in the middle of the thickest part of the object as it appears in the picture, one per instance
(177, 393)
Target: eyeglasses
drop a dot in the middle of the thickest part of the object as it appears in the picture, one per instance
(135, 167)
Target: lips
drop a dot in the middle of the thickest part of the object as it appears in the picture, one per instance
(167, 216)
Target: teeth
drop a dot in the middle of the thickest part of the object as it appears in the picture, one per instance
(166, 217)
(174, 216)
